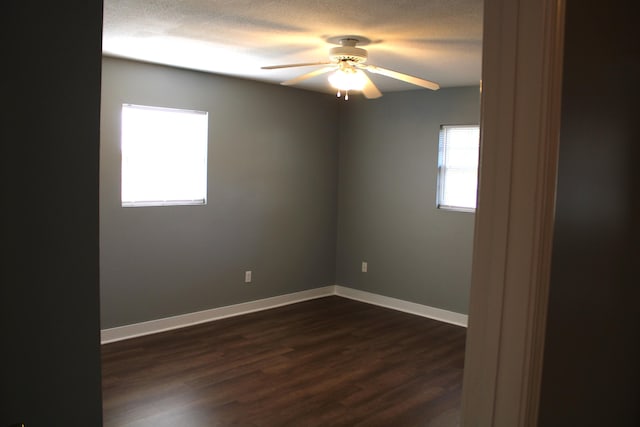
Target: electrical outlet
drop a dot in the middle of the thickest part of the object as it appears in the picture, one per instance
(247, 276)
(365, 266)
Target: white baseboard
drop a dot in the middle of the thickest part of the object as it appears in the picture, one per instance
(405, 306)
(168, 323)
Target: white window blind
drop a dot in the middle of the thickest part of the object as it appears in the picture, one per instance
(458, 167)
(164, 156)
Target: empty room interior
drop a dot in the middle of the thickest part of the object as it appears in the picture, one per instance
(319, 284)
(322, 202)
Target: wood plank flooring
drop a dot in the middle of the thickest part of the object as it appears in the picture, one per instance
(325, 362)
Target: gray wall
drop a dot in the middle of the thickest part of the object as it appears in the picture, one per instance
(387, 199)
(272, 192)
(49, 322)
(592, 350)
(273, 198)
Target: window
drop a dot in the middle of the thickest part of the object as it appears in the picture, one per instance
(458, 167)
(164, 156)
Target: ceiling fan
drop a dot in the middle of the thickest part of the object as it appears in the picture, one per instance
(348, 62)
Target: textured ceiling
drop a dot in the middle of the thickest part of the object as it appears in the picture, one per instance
(438, 40)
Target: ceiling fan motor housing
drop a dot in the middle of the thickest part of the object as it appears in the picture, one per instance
(347, 51)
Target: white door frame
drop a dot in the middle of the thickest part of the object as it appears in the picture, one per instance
(520, 123)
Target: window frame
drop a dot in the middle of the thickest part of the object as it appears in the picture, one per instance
(441, 180)
(166, 201)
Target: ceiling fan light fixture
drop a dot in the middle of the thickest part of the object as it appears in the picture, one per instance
(346, 66)
(346, 79)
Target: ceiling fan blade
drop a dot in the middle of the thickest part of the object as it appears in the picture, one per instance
(308, 76)
(304, 64)
(370, 91)
(404, 77)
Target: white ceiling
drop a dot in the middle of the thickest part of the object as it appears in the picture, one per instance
(438, 40)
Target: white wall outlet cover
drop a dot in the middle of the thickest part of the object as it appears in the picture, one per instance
(247, 276)
(365, 266)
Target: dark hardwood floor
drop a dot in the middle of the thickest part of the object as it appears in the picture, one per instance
(325, 362)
